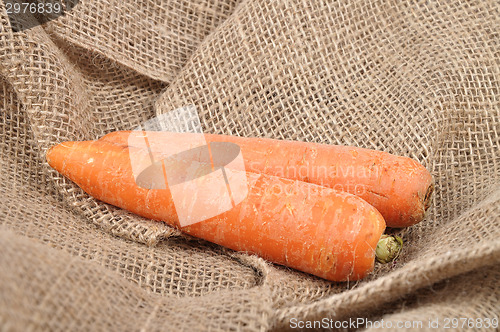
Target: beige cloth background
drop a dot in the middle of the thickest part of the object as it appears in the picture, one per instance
(419, 79)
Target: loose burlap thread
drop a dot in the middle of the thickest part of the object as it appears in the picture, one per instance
(413, 79)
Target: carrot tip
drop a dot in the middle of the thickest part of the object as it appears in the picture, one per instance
(49, 154)
(388, 248)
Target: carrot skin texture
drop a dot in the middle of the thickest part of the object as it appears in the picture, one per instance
(313, 229)
(399, 187)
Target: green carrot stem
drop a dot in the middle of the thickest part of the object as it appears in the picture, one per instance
(388, 248)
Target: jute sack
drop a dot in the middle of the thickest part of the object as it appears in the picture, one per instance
(413, 79)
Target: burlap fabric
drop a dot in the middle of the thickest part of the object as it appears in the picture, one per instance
(419, 79)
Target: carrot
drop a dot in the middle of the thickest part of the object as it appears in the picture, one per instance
(399, 187)
(304, 226)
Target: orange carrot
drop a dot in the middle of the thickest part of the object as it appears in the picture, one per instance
(304, 226)
(399, 187)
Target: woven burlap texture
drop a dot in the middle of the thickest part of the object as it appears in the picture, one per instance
(419, 79)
